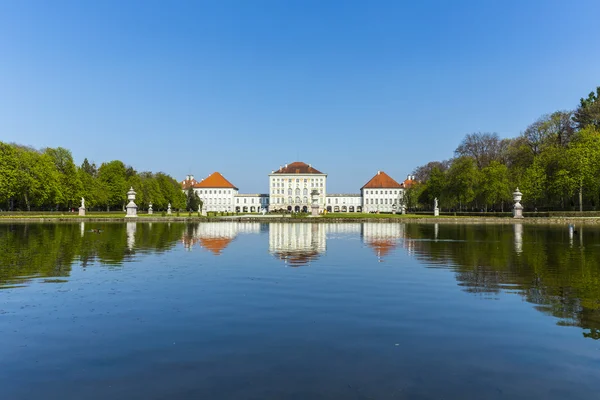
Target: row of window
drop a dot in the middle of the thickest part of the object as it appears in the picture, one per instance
(228, 200)
(381, 192)
(207, 191)
(383, 201)
(336, 201)
(297, 179)
(289, 192)
(291, 200)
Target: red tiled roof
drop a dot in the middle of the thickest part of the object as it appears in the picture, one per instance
(215, 180)
(408, 183)
(382, 247)
(215, 245)
(187, 183)
(297, 167)
(382, 180)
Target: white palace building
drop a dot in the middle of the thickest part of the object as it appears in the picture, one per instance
(290, 189)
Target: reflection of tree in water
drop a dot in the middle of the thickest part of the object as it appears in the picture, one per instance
(562, 279)
(49, 250)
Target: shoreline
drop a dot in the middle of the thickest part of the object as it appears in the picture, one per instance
(321, 220)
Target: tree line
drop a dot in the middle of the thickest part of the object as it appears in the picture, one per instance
(555, 162)
(49, 180)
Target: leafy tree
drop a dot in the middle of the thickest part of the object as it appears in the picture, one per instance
(554, 129)
(8, 173)
(583, 158)
(588, 112)
(89, 169)
(483, 147)
(462, 178)
(37, 178)
(193, 200)
(69, 182)
(535, 182)
(495, 186)
(112, 176)
(435, 184)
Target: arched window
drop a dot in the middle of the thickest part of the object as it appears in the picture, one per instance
(289, 192)
(297, 200)
(290, 200)
(305, 200)
(305, 191)
(297, 192)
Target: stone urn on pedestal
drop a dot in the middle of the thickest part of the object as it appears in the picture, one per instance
(150, 211)
(314, 207)
(131, 207)
(169, 209)
(518, 208)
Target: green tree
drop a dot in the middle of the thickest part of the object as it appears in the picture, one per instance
(69, 183)
(8, 174)
(112, 176)
(462, 178)
(193, 200)
(495, 186)
(535, 182)
(583, 158)
(37, 178)
(588, 112)
(171, 191)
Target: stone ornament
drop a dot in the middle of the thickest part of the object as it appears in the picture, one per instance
(518, 208)
(131, 206)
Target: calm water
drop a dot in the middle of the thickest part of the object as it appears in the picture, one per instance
(299, 311)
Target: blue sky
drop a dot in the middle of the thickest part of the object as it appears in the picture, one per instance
(242, 87)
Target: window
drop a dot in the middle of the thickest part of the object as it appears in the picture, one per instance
(376, 201)
(297, 192)
(289, 192)
(237, 201)
(305, 191)
(336, 201)
(289, 200)
(328, 201)
(297, 200)
(297, 180)
(244, 201)
(385, 201)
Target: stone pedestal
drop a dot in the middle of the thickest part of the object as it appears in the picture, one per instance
(82, 211)
(131, 206)
(314, 207)
(314, 210)
(403, 210)
(436, 212)
(518, 208)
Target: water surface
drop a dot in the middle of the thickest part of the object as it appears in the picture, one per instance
(299, 311)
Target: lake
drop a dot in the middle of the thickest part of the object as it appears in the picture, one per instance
(243, 310)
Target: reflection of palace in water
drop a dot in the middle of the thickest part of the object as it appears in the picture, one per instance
(216, 236)
(295, 243)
